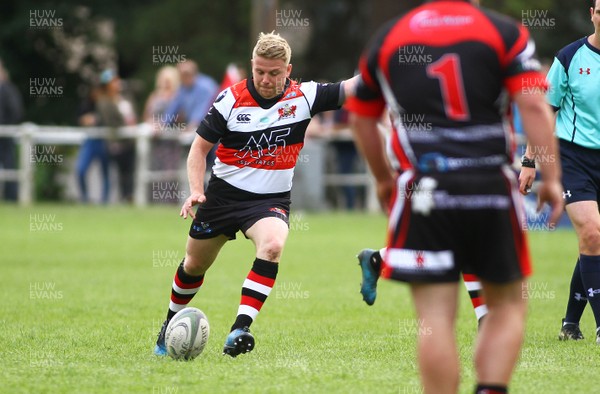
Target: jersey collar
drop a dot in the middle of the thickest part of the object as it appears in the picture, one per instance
(263, 102)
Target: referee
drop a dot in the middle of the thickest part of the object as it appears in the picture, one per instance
(574, 79)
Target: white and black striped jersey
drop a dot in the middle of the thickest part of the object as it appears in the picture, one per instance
(260, 139)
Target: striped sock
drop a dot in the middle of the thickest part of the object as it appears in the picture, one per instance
(184, 288)
(474, 288)
(255, 291)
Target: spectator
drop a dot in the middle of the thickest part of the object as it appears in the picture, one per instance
(166, 86)
(117, 111)
(111, 109)
(11, 112)
(234, 73)
(193, 98)
(166, 153)
(93, 148)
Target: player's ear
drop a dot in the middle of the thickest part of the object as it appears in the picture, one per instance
(289, 70)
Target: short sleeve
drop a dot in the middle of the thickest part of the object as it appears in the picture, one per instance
(557, 79)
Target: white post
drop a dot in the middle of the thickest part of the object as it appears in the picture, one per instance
(26, 167)
(142, 171)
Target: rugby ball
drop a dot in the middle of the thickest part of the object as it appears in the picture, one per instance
(187, 334)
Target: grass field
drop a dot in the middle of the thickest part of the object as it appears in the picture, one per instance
(85, 290)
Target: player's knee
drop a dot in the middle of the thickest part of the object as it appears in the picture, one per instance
(272, 249)
(590, 239)
(193, 265)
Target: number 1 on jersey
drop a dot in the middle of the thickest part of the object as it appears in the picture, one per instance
(447, 71)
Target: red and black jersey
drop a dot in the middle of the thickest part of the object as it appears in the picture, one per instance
(260, 139)
(442, 69)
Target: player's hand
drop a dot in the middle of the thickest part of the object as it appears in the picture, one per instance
(526, 178)
(551, 192)
(188, 205)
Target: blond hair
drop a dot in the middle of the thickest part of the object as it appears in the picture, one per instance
(272, 46)
(167, 74)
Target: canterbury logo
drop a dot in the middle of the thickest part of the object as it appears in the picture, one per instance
(243, 118)
(584, 70)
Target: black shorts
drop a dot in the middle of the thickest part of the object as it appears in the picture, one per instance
(221, 214)
(580, 172)
(445, 224)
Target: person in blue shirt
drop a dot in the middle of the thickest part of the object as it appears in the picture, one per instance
(192, 100)
(194, 97)
(574, 79)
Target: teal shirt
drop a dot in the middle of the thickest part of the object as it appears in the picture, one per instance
(574, 91)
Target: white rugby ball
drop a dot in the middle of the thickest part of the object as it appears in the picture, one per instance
(187, 334)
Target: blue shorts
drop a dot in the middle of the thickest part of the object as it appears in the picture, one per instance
(580, 172)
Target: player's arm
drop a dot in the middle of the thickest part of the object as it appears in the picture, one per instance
(366, 106)
(210, 131)
(348, 88)
(527, 173)
(371, 145)
(196, 167)
(523, 70)
(536, 116)
(557, 80)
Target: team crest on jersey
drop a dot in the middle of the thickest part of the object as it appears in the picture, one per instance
(287, 111)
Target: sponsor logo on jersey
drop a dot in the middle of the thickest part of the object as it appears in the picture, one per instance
(291, 94)
(584, 70)
(287, 111)
(243, 118)
(420, 260)
(428, 19)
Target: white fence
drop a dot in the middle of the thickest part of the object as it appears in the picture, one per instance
(29, 135)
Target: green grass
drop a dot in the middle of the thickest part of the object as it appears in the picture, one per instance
(85, 289)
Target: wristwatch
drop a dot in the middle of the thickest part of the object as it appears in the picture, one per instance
(527, 162)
